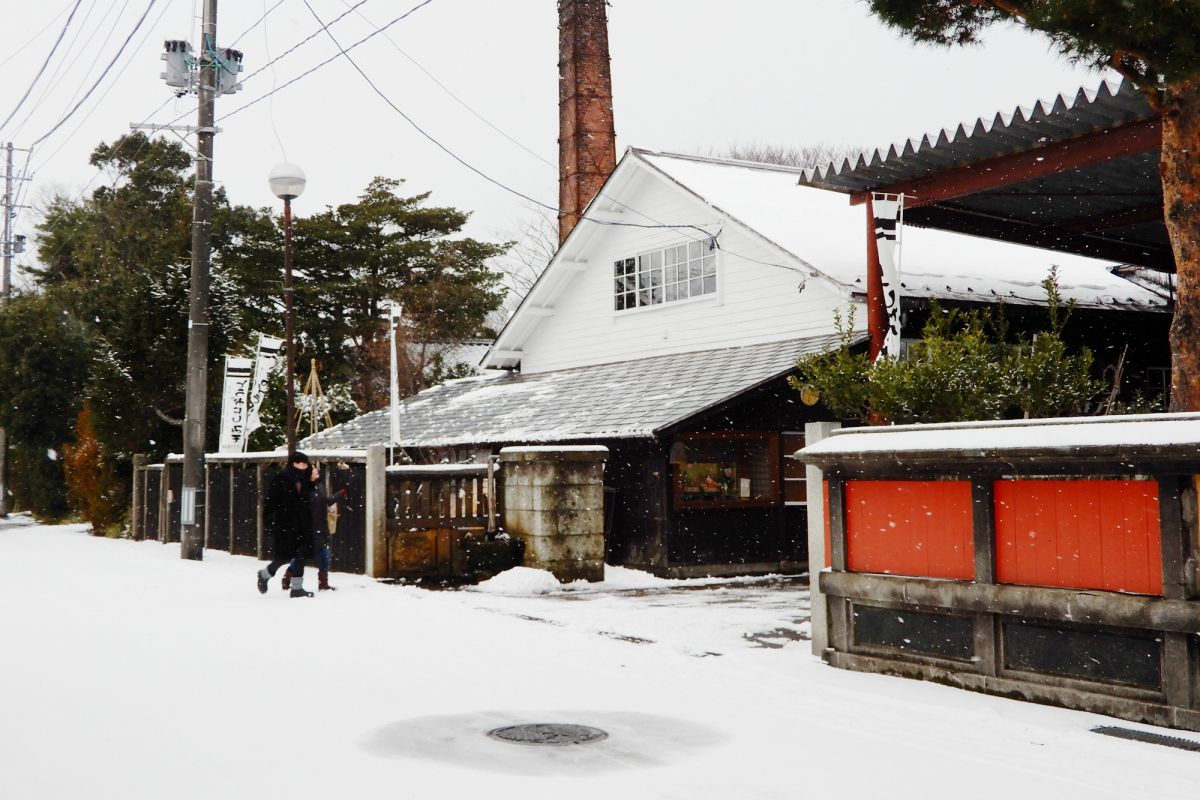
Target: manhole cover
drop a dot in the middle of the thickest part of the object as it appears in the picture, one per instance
(552, 733)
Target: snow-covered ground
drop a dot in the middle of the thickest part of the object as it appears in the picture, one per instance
(127, 672)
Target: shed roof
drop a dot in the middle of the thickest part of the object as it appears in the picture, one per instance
(634, 399)
(1077, 174)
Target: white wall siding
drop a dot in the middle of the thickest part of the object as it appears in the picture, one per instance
(754, 303)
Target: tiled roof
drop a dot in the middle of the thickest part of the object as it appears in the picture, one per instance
(632, 399)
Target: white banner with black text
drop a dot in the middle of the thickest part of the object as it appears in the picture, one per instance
(266, 358)
(889, 219)
(233, 404)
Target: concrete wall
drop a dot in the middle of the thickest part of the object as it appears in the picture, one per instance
(553, 499)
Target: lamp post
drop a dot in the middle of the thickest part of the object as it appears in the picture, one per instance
(287, 182)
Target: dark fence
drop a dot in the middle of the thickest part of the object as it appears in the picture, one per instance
(430, 521)
(232, 513)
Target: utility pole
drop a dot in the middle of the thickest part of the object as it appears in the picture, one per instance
(196, 402)
(10, 245)
(5, 291)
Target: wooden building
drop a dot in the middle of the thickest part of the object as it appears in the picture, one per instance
(665, 326)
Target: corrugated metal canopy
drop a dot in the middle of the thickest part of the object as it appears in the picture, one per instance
(1078, 175)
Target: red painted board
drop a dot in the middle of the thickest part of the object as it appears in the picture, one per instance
(918, 528)
(1086, 534)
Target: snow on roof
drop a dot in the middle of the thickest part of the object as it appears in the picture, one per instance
(1075, 436)
(633, 399)
(822, 229)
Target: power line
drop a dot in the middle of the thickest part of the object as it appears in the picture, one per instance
(256, 23)
(29, 41)
(103, 75)
(452, 95)
(74, 46)
(307, 39)
(462, 161)
(110, 87)
(45, 63)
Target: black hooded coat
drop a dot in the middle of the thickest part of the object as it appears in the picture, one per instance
(286, 515)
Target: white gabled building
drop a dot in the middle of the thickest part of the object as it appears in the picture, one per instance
(665, 328)
(770, 260)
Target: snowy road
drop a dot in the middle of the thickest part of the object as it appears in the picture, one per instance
(129, 673)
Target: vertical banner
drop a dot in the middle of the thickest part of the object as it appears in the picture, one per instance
(264, 364)
(889, 218)
(233, 404)
(395, 315)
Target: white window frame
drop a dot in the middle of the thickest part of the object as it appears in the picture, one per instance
(647, 293)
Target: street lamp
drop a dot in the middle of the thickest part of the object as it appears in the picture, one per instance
(287, 182)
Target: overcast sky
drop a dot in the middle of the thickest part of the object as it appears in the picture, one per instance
(480, 76)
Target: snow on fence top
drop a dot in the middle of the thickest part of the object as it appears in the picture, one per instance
(1137, 436)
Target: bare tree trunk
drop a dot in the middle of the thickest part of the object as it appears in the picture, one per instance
(1179, 168)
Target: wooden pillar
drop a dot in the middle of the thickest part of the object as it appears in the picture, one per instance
(815, 484)
(983, 524)
(137, 512)
(1175, 538)
(163, 534)
(839, 609)
(260, 533)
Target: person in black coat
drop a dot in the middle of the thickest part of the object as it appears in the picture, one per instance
(288, 522)
(319, 504)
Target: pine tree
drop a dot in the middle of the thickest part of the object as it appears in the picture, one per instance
(1156, 45)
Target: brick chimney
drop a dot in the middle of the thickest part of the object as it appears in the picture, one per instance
(587, 143)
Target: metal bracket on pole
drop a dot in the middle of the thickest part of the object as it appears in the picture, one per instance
(141, 126)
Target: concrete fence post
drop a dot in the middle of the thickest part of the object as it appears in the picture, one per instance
(813, 433)
(375, 524)
(554, 501)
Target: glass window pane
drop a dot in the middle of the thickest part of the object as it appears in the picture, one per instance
(656, 259)
(671, 292)
(696, 269)
(656, 294)
(620, 302)
(696, 249)
(683, 288)
(710, 284)
(696, 287)
(710, 265)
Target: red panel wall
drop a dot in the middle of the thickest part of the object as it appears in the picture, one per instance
(919, 528)
(1101, 534)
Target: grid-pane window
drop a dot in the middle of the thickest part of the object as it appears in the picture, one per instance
(673, 273)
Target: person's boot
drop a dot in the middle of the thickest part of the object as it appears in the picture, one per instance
(323, 582)
(298, 589)
(263, 577)
(287, 579)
